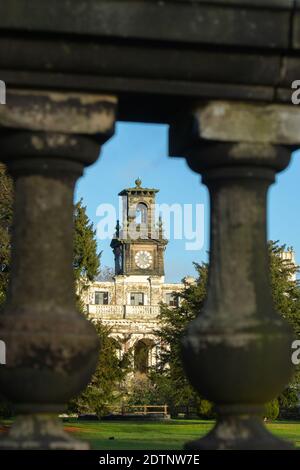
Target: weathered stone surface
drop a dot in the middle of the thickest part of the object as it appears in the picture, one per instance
(239, 23)
(161, 98)
(52, 350)
(247, 122)
(238, 334)
(59, 112)
(24, 430)
(134, 69)
(123, 53)
(296, 29)
(131, 60)
(139, 62)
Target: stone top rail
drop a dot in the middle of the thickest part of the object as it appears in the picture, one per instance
(255, 23)
(251, 54)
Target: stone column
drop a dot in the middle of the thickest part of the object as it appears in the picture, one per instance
(237, 352)
(51, 348)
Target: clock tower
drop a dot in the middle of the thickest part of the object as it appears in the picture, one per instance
(138, 244)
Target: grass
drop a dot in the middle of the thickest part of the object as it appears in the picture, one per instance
(158, 435)
(169, 435)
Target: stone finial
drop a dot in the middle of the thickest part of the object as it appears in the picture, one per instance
(160, 226)
(138, 183)
(118, 228)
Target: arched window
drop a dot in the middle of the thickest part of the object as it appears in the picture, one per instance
(141, 214)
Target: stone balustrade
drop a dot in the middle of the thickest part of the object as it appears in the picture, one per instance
(140, 312)
(218, 73)
(106, 311)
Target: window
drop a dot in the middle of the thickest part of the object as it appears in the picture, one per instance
(141, 213)
(101, 298)
(172, 299)
(136, 298)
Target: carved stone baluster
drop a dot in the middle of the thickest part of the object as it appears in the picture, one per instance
(51, 348)
(237, 352)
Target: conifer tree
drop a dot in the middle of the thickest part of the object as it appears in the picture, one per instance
(170, 378)
(86, 261)
(107, 384)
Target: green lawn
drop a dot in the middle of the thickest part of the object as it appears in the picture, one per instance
(158, 436)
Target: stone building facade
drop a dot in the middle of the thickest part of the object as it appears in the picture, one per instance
(130, 303)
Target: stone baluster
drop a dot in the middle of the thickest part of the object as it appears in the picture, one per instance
(51, 348)
(237, 352)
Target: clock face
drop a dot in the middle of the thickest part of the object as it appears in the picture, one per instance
(143, 259)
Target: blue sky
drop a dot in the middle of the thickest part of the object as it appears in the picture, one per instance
(141, 150)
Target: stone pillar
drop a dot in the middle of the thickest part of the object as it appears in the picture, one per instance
(155, 288)
(120, 290)
(237, 352)
(51, 348)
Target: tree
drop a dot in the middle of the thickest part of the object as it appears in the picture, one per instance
(105, 387)
(86, 262)
(285, 290)
(6, 211)
(142, 391)
(272, 410)
(286, 295)
(170, 376)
